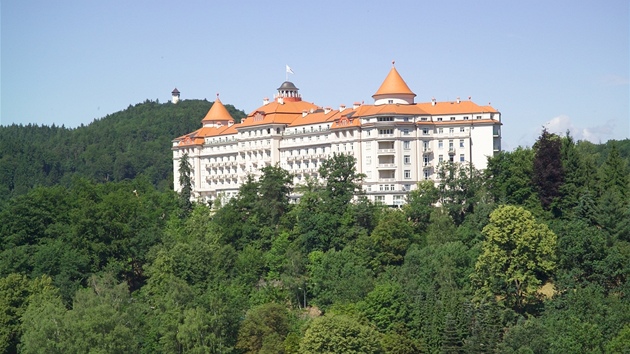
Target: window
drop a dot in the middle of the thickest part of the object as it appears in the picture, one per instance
(406, 145)
(390, 101)
(426, 174)
(368, 146)
(440, 158)
(440, 130)
(380, 199)
(407, 174)
(425, 131)
(440, 144)
(461, 158)
(368, 160)
(386, 131)
(407, 159)
(451, 131)
(461, 143)
(407, 187)
(462, 129)
(426, 161)
(424, 118)
(465, 117)
(450, 145)
(478, 117)
(385, 119)
(452, 118)
(405, 131)
(406, 119)
(439, 119)
(369, 188)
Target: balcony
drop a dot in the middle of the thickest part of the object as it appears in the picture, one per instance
(386, 165)
(387, 179)
(386, 151)
(427, 150)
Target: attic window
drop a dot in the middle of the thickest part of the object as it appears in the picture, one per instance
(390, 101)
(439, 119)
(452, 118)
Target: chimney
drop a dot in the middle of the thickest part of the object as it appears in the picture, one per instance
(458, 100)
(433, 102)
(327, 110)
(342, 107)
(280, 100)
(356, 105)
(230, 123)
(265, 101)
(304, 113)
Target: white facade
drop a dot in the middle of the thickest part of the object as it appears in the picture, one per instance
(396, 142)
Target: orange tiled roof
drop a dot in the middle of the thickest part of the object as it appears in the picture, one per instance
(198, 136)
(275, 112)
(393, 85)
(371, 110)
(217, 112)
(316, 117)
(455, 108)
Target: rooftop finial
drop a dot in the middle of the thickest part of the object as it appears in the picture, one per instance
(393, 62)
(217, 95)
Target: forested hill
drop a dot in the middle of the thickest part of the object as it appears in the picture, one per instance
(135, 141)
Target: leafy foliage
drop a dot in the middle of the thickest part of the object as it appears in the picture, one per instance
(110, 263)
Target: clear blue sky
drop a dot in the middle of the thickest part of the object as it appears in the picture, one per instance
(564, 64)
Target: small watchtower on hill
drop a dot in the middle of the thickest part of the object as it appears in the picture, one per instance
(175, 96)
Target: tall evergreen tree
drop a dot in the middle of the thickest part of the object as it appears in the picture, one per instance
(548, 173)
(185, 184)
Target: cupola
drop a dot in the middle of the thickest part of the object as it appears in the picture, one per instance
(287, 92)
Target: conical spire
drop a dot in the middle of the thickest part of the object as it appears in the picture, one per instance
(393, 85)
(217, 113)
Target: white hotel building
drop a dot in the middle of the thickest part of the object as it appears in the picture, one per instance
(395, 141)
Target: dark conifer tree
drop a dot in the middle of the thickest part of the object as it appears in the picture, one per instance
(548, 174)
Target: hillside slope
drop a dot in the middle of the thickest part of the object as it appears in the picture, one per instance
(135, 141)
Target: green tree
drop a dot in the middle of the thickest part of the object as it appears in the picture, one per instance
(339, 334)
(386, 307)
(265, 326)
(274, 189)
(185, 184)
(332, 271)
(517, 255)
(419, 205)
(509, 177)
(391, 238)
(460, 189)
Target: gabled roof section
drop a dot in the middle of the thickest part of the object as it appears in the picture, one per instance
(217, 113)
(393, 85)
